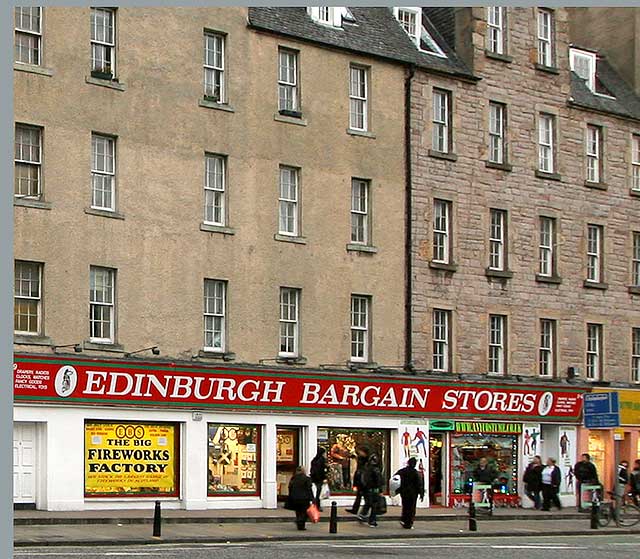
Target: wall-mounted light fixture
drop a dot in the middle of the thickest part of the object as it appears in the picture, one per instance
(76, 347)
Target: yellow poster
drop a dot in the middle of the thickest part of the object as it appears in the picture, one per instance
(130, 459)
(629, 402)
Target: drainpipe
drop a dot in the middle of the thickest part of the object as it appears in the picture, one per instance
(408, 238)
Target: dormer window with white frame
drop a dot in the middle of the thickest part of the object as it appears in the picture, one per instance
(330, 15)
(410, 19)
(583, 63)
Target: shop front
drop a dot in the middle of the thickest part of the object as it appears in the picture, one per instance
(123, 434)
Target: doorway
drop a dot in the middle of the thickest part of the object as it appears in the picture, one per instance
(287, 457)
(24, 464)
(436, 465)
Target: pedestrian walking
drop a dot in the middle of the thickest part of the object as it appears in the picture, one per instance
(634, 482)
(300, 496)
(372, 479)
(586, 473)
(551, 478)
(318, 474)
(411, 487)
(362, 456)
(533, 481)
(622, 478)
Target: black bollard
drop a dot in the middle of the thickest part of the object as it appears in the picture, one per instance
(473, 523)
(333, 519)
(156, 521)
(595, 509)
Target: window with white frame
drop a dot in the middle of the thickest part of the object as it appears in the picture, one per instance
(635, 355)
(635, 163)
(214, 70)
(360, 223)
(215, 190)
(496, 29)
(497, 126)
(584, 65)
(289, 322)
(594, 351)
(28, 161)
(215, 313)
(497, 343)
(103, 41)
(594, 253)
(410, 21)
(289, 210)
(546, 352)
(497, 240)
(360, 340)
(28, 35)
(102, 305)
(635, 260)
(441, 340)
(442, 231)
(545, 38)
(288, 98)
(324, 14)
(546, 133)
(593, 153)
(358, 94)
(441, 120)
(103, 172)
(546, 248)
(27, 298)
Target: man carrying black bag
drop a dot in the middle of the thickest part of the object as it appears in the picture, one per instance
(372, 480)
(411, 487)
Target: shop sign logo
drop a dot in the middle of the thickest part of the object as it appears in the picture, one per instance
(66, 381)
(545, 404)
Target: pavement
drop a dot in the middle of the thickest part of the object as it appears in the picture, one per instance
(131, 527)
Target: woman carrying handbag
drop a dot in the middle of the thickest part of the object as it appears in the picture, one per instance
(300, 496)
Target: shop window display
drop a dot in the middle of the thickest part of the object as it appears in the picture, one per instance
(233, 459)
(597, 450)
(341, 445)
(501, 452)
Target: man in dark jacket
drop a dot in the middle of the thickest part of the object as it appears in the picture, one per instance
(634, 482)
(551, 478)
(485, 474)
(533, 481)
(300, 496)
(586, 473)
(318, 474)
(411, 487)
(372, 480)
(362, 455)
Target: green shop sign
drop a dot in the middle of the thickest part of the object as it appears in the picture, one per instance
(488, 428)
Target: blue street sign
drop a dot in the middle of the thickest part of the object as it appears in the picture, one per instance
(601, 410)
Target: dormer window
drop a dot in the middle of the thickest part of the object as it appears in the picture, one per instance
(410, 19)
(583, 63)
(333, 16)
(324, 15)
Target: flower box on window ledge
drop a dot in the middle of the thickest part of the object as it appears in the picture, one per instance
(292, 114)
(102, 75)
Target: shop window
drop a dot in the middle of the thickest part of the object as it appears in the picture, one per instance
(501, 452)
(598, 450)
(233, 459)
(131, 460)
(341, 445)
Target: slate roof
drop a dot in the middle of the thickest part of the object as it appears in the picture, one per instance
(444, 20)
(376, 32)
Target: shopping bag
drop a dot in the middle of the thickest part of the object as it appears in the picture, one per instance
(394, 484)
(313, 513)
(381, 505)
(325, 492)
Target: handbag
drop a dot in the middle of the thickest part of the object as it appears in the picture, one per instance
(381, 505)
(325, 492)
(394, 484)
(313, 513)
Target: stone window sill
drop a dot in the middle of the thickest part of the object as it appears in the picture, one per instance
(500, 274)
(290, 239)
(103, 213)
(211, 228)
(362, 133)
(547, 69)
(499, 166)
(111, 84)
(548, 279)
(596, 185)
(595, 285)
(355, 247)
(220, 355)
(32, 69)
(26, 339)
(447, 267)
(112, 348)
(290, 119)
(443, 155)
(300, 360)
(634, 289)
(206, 103)
(549, 176)
(635, 193)
(32, 203)
(498, 56)
(363, 365)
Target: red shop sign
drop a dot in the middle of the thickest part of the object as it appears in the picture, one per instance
(77, 381)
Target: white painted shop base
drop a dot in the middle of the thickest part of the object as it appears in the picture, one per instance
(58, 466)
